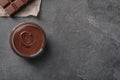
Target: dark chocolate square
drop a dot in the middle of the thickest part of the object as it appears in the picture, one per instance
(18, 3)
(3, 3)
(10, 9)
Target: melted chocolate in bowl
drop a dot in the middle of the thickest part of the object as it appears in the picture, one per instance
(28, 40)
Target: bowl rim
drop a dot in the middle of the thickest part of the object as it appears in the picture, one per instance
(12, 42)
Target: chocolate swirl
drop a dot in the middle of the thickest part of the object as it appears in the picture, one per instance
(27, 38)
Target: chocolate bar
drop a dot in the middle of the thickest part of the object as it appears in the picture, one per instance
(12, 6)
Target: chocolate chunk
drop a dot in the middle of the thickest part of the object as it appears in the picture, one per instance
(10, 10)
(28, 40)
(3, 3)
(12, 6)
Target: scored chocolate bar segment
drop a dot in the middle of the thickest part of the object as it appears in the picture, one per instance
(10, 10)
(3, 3)
(12, 6)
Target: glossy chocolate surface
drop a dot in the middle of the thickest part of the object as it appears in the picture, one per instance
(27, 39)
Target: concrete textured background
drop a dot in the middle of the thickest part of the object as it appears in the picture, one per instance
(83, 42)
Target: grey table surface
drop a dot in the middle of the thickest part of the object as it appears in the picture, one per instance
(83, 42)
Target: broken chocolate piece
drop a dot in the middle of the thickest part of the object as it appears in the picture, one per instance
(12, 6)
